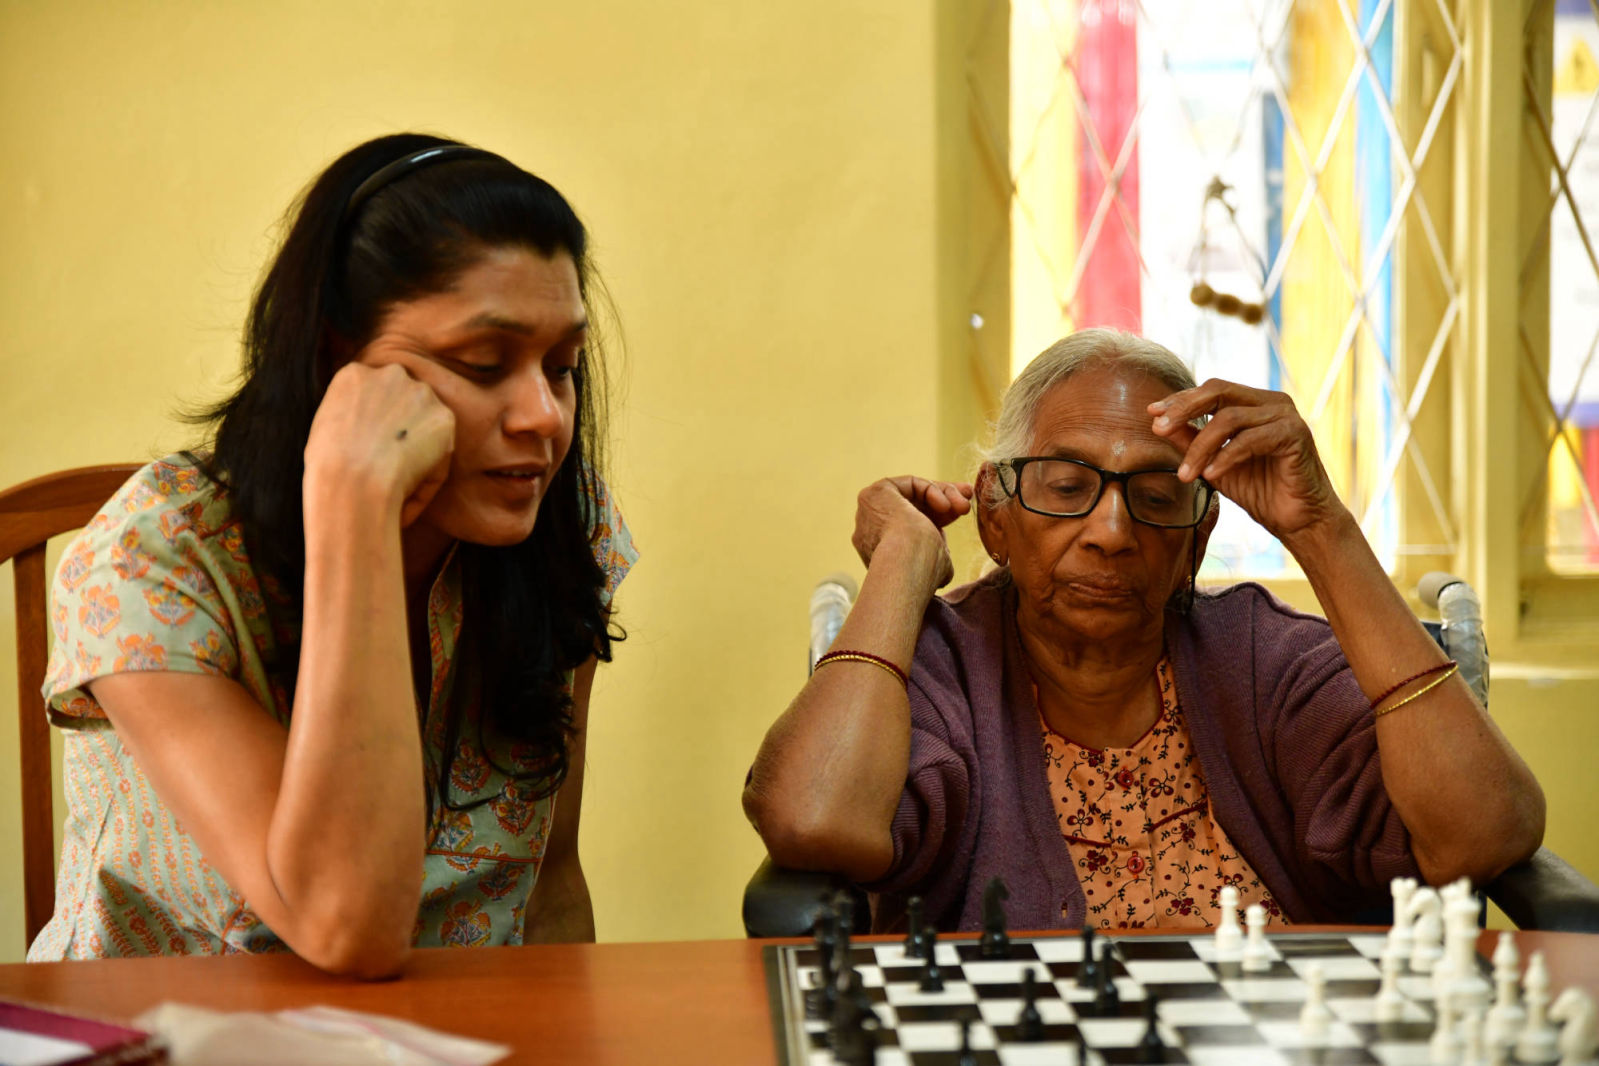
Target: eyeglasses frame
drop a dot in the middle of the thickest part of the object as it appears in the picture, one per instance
(1106, 477)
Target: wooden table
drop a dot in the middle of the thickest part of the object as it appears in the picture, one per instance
(661, 1003)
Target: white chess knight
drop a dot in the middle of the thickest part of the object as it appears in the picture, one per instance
(1427, 932)
(1579, 1037)
(1229, 936)
(1401, 935)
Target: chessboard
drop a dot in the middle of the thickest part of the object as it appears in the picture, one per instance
(1207, 1011)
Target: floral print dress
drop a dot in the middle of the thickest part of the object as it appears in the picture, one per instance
(160, 580)
(1139, 827)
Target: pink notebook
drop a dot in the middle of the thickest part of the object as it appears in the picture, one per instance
(44, 1036)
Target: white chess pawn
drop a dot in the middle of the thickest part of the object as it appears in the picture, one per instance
(1473, 1051)
(1257, 956)
(1444, 1048)
(1390, 1002)
(1229, 936)
(1579, 1037)
(1427, 942)
(1536, 1042)
(1315, 1017)
(1506, 956)
(1400, 936)
(1506, 1015)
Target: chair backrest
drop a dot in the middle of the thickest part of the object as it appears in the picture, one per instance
(30, 514)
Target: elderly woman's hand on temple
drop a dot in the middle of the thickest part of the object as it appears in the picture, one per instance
(1255, 449)
(911, 507)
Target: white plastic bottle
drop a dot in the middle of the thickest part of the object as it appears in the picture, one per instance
(1462, 627)
(830, 604)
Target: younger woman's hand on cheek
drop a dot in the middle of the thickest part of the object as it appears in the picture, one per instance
(380, 429)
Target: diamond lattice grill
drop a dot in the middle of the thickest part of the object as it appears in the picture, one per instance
(1559, 321)
(1121, 114)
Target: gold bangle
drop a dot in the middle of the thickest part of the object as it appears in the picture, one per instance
(863, 657)
(1420, 692)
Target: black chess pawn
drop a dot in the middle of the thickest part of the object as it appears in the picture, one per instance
(1106, 998)
(819, 1000)
(913, 926)
(858, 1046)
(932, 975)
(1152, 1048)
(995, 943)
(1078, 1048)
(1029, 1023)
(968, 1057)
(1088, 969)
(851, 1006)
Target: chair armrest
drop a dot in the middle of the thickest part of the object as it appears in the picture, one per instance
(783, 902)
(1546, 892)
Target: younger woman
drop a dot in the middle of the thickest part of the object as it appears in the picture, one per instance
(325, 687)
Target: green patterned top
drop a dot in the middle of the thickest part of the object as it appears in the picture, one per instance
(160, 580)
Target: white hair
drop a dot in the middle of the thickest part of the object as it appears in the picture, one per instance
(1087, 348)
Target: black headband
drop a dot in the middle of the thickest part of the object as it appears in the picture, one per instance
(399, 168)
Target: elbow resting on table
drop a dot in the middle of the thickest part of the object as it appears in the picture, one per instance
(805, 838)
(1485, 847)
(345, 950)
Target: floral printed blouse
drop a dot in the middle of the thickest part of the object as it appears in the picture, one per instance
(160, 580)
(1139, 827)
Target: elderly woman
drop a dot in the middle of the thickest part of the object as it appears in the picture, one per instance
(1084, 724)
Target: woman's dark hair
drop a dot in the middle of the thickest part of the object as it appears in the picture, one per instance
(533, 611)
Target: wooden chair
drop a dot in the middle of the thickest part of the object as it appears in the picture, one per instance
(30, 514)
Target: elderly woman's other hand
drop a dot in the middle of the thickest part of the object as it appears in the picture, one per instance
(1256, 450)
(915, 508)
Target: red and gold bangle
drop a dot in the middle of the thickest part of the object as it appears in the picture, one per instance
(848, 656)
(1440, 668)
(1420, 692)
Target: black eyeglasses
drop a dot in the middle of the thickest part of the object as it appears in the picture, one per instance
(1066, 488)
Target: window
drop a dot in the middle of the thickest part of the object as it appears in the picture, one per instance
(1298, 157)
(1560, 287)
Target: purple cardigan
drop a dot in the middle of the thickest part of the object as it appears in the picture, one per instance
(1282, 731)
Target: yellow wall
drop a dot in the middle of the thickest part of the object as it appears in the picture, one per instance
(760, 181)
(789, 219)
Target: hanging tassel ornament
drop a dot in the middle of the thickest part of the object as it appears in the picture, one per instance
(1201, 294)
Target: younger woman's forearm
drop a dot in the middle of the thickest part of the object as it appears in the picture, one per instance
(347, 837)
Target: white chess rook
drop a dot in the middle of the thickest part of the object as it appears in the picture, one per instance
(1468, 988)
